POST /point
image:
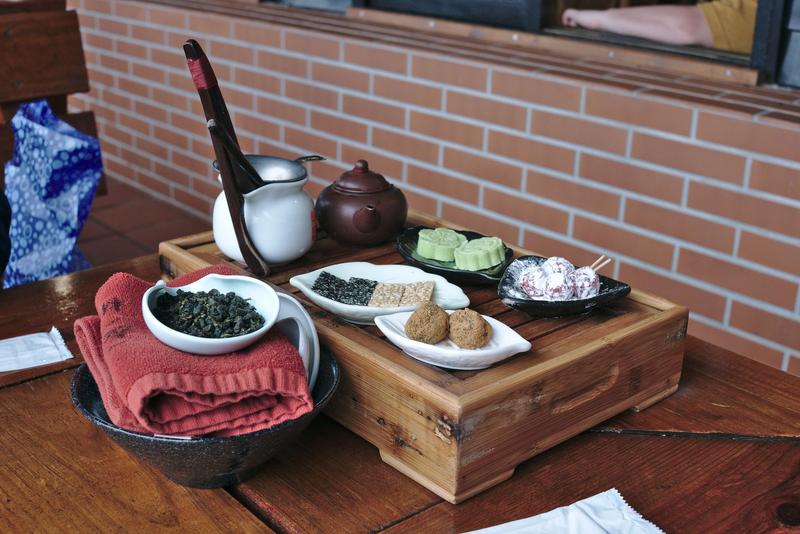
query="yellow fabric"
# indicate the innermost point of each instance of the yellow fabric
(732, 23)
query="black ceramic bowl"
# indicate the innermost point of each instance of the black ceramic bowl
(511, 294)
(407, 247)
(204, 462)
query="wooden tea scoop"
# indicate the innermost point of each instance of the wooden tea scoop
(205, 81)
(235, 199)
(236, 155)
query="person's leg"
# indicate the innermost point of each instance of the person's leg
(680, 25)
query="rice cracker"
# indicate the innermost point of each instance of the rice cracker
(417, 293)
(387, 295)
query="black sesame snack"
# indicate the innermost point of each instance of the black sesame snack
(358, 291)
(207, 314)
(329, 285)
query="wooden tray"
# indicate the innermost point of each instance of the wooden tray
(460, 432)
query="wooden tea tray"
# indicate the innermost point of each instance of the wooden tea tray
(460, 432)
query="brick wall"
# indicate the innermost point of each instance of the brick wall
(693, 187)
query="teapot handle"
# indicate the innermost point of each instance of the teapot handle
(312, 157)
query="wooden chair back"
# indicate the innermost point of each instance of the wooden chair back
(41, 56)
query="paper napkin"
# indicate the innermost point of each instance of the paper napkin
(33, 350)
(604, 513)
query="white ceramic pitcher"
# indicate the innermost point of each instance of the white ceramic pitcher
(279, 215)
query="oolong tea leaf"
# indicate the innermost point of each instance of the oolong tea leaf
(208, 313)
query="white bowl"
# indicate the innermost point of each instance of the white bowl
(445, 294)
(281, 309)
(504, 343)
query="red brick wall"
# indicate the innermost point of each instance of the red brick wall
(694, 188)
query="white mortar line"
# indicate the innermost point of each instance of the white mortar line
(685, 192)
(726, 315)
(741, 333)
(748, 167)
(797, 304)
(629, 144)
(582, 103)
(676, 253)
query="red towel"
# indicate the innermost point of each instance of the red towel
(149, 387)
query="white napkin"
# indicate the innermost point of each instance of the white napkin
(33, 350)
(604, 513)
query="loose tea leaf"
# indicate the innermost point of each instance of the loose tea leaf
(208, 314)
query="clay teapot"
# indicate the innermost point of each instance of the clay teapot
(361, 208)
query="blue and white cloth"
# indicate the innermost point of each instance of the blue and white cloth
(50, 184)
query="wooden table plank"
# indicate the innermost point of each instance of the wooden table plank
(722, 393)
(58, 473)
(58, 302)
(681, 484)
(332, 481)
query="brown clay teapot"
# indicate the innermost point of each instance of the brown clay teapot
(361, 208)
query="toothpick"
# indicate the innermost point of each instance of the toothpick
(609, 260)
(597, 261)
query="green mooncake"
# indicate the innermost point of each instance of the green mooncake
(439, 244)
(479, 254)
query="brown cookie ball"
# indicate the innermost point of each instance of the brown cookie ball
(428, 324)
(469, 330)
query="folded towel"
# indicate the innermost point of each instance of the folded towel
(149, 387)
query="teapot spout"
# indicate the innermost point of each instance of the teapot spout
(367, 219)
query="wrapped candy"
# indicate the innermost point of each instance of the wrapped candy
(533, 281)
(585, 282)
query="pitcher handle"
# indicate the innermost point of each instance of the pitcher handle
(312, 157)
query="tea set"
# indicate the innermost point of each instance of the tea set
(263, 218)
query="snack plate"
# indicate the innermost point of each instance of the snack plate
(505, 342)
(445, 294)
(407, 247)
(512, 295)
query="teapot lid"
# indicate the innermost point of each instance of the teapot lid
(362, 180)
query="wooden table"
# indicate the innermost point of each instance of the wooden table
(720, 455)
